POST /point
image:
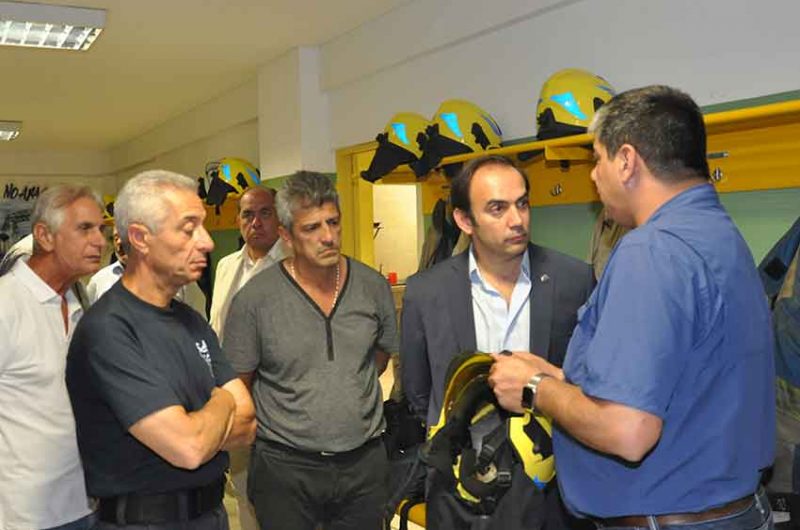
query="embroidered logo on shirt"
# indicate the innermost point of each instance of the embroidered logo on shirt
(202, 349)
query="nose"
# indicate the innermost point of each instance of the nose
(204, 242)
(327, 234)
(592, 174)
(514, 216)
(99, 238)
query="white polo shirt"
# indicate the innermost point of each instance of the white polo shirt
(103, 280)
(41, 479)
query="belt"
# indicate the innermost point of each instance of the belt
(717, 512)
(325, 454)
(173, 506)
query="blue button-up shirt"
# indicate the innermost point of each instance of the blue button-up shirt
(498, 325)
(678, 327)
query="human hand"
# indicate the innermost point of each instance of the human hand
(510, 373)
(224, 397)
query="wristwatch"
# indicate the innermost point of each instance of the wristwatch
(529, 391)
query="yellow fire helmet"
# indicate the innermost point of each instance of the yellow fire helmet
(401, 142)
(478, 443)
(459, 127)
(108, 209)
(567, 102)
(229, 175)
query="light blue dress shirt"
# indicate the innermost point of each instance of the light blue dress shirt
(500, 326)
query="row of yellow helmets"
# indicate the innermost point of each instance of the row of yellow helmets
(228, 176)
(567, 102)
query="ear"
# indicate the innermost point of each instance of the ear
(285, 235)
(44, 238)
(463, 221)
(627, 160)
(137, 237)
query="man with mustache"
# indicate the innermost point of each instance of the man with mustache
(156, 403)
(310, 338)
(504, 293)
(258, 226)
(41, 480)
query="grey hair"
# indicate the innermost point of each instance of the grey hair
(304, 189)
(142, 200)
(53, 202)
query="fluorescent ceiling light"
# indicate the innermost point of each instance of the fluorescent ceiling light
(49, 26)
(9, 130)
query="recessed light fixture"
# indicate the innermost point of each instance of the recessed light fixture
(49, 26)
(9, 130)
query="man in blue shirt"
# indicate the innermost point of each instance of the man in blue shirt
(665, 409)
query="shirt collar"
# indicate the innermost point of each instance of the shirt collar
(701, 194)
(475, 273)
(248, 261)
(38, 288)
(275, 254)
(42, 292)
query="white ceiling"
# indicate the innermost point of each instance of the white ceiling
(157, 59)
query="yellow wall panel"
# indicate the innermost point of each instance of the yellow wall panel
(754, 148)
(225, 219)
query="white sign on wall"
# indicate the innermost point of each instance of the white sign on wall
(16, 206)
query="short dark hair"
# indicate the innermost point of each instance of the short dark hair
(663, 124)
(459, 187)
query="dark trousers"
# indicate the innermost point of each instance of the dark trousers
(300, 490)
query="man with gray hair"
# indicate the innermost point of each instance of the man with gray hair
(155, 401)
(310, 337)
(41, 480)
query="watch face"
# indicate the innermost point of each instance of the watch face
(527, 398)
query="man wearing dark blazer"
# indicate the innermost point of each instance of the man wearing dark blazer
(504, 293)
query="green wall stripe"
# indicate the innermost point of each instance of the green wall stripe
(752, 102)
(762, 217)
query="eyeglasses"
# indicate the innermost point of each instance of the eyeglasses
(248, 216)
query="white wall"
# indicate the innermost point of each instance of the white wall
(224, 126)
(239, 141)
(224, 112)
(278, 103)
(498, 54)
(45, 168)
(294, 129)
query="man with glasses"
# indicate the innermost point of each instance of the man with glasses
(258, 225)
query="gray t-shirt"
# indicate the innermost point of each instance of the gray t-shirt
(315, 384)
